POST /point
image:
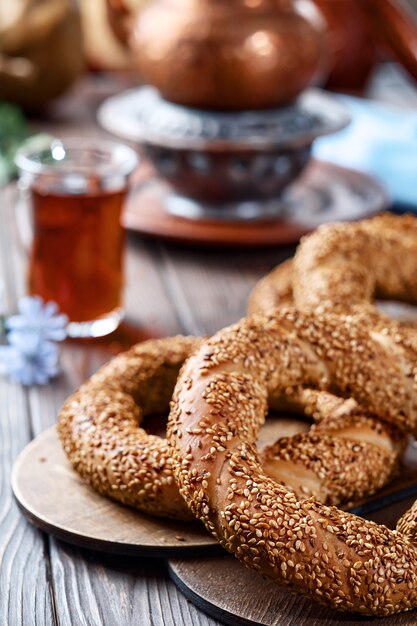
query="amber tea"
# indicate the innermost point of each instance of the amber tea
(76, 256)
(76, 193)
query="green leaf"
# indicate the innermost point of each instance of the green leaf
(13, 131)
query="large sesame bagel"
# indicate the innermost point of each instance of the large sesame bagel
(219, 404)
(346, 265)
(345, 456)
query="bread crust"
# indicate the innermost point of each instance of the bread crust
(99, 427)
(345, 265)
(220, 402)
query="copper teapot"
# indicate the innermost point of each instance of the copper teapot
(238, 54)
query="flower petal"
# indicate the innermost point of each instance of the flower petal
(39, 318)
(32, 356)
(50, 309)
(30, 306)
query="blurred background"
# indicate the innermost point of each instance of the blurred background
(45, 45)
(60, 50)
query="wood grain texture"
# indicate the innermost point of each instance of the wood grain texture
(55, 499)
(58, 590)
(99, 590)
(235, 595)
(230, 592)
(208, 288)
(23, 567)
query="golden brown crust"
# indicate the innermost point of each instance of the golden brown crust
(347, 454)
(348, 264)
(273, 290)
(219, 404)
(342, 459)
(99, 427)
(100, 433)
(344, 265)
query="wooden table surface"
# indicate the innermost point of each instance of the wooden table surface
(169, 290)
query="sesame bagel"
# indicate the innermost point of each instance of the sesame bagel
(346, 265)
(219, 404)
(273, 290)
(99, 427)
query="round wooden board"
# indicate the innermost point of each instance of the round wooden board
(55, 499)
(324, 192)
(225, 589)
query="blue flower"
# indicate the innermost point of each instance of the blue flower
(31, 356)
(39, 318)
(29, 360)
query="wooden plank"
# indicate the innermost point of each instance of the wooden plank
(109, 592)
(210, 288)
(81, 598)
(147, 302)
(149, 313)
(230, 592)
(98, 590)
(26, 596)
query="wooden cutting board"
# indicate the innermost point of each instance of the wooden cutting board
(55, 499)
(228, 591)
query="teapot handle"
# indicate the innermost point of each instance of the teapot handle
(395, 28)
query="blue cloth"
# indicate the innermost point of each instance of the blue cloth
(381, 140)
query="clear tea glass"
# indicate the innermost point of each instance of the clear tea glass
(75, 189)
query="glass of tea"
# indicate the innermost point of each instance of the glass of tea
(75, 189)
